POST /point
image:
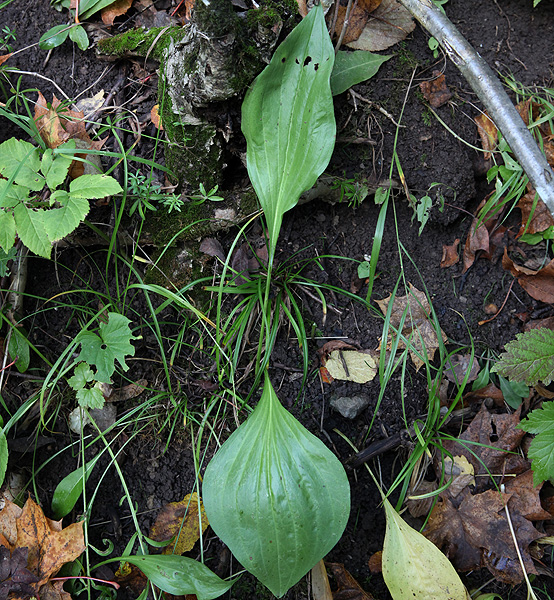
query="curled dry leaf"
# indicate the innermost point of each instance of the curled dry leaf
(212, 247)
(450, 254)
(459, 472)
(4, 58)
(538, 284)
(178, 523)
(477, 240)
(347, 586)
(420, 331)
(116, 9)
(436, 91)
(488, 133)
(387, 25)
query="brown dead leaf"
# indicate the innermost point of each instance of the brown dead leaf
(332, 345)
(178, 522)
(387, 25)
(4, 58)
(538, 284)
(417, 328)
(541, 218)
(489, 444)
(475, 533)
(488, 134)
(450, 255)
(131, 390)
(436, 91)
(547, 323)
(459, 471)
(48, 545)
(357, 19)
(212, 247)
(489, 391)
(321, 590)
(525, 497)
(375, 562)
(155, 117)
(347, 587)
(116, 9)
(477, 240)
(458, 367)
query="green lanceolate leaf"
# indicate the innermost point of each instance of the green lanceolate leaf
(541, 450)
(354, 67)
(70, 488)
(413, 567)
(54, 37)
(3, 456)
(529, 358)
(288, 120)
(179, 575)
(276, 495)
(19, 349)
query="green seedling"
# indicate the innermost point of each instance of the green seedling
(33, 202)
(6, 35)
(354, 192)
(434, 46)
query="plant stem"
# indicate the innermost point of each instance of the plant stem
(491, 93)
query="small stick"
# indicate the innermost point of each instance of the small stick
(503, 304)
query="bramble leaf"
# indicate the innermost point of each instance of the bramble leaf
(59, 222)
(30, 228)
(541, 450)
(288, 120)
(55, 168)
(21, 160)
(276, 495)
(94, 186)
(529, 358)
(7, 230)
(114, 343)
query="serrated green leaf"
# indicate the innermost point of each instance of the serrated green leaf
(55, 168)
(79, 36)
(529, 358)
(59, 222)
(70, 489)
(351, 68)
(413, 567)
(114, 343)
(19, 349)
(7, 230)
(11, 194)
(21, 161)
(179, 575)
(288, 120)
(54, 37)
(90, 398)
(81, 376)
(276, 495)
(4, 455)
(94, 186)
(541, 450)
(30, 228)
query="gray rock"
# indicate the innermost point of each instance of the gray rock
(350, 406)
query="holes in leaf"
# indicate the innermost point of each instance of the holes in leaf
(103, 347)
(297, 61)
(283, 59)
(316, 66)
(307, 61)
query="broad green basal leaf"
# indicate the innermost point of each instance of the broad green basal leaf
(288, 119)
(354, 67)
(413, 567)
(276, 495)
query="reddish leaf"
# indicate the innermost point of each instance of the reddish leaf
(450, 254)
(347, 587)
(357, 20)
(477, 239)
(436, 91)
(118, 8)
(487, 132)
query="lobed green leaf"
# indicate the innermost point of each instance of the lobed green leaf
(276, 495)
(288, 120)
(59, 222)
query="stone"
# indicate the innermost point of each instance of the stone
(350, 406)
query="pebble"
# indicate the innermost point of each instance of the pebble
(350, 406)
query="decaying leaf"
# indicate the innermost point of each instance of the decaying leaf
(436, 91)
(4, 58)
(155, 117)
(413, 567)
(450, 254)
(352, 365)
(357, 19)
(46, 544)
(535, 217)
(387, 25)
(321, 590)
(458, 368)
(538, 284)
(474, 532)
(347, 586)
(477, 240)
(179, 524)
(116, 9)
(488, 133)
(418, 329)
(460, 472)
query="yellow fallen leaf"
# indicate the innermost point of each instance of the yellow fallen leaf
(351, 365)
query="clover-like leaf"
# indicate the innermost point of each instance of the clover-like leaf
(276, 495)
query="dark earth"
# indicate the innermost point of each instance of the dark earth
(153, 445)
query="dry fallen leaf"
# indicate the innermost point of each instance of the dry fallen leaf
(357, 19)
(460, 472)
(352, 365)
(450, 254)
(417, 328)
(178, 523)
(4, 58)
(347, 587)
(116, 9)
(155, 117)
(321, 590)
(458, 367)
(538, 284)
(48, 545)
(541, 218)
(388, 24)
(477, 240)
(488, 134)
(436, 91)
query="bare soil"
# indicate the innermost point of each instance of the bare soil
(515, 39)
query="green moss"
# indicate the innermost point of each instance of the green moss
(142, 42)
